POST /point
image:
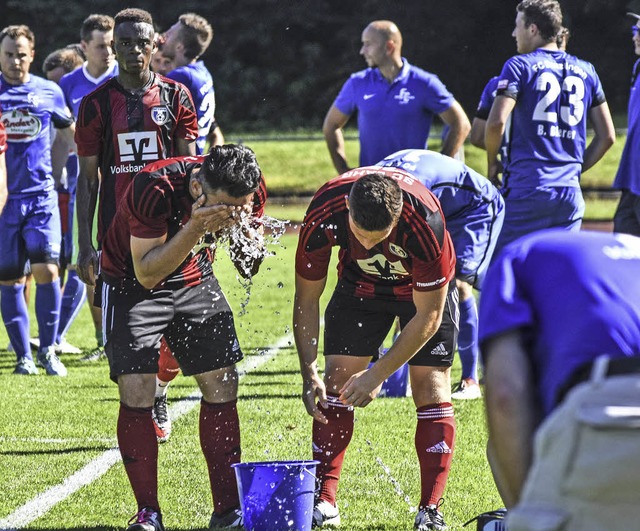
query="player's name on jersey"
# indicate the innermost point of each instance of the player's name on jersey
(556, 132)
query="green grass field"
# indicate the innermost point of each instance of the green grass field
(51, 428)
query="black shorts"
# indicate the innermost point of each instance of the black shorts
(196, 322)
(357, 327)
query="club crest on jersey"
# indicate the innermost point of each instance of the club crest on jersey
(160, 115)
(21, 126)
(404, 96)
(397, 250)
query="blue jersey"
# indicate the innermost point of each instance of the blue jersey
(554, 92)
(199, 82)
(628, 176)
(473, 208)
(77, 84)
(393, 116)
(576, 295)
(29, 111)
(487, 98)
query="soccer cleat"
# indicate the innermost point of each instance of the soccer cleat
(325, 515)
(161, 418)
(232, 519)
(95, 355)
(64, 347)
(494, 520)
(429, 518)
(48, 360)
(468, 389)
(25, 366)
(147, 519)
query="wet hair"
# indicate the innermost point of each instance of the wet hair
(195, 34)
(16, 31)
(68, 58)
(231, 168)
(133, 14)
(545, 14)
(95, 22)
(375, 202)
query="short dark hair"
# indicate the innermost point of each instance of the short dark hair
(195, 34)
(133, 14)
(562, 39)
(95, 22)
(375, 202)
(545, 14)
(232, 168)
(16, 31)
(68, 58)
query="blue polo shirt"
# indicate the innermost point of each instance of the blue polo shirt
(77, 84)
(628, 176)
(576, 294)
(554, 92)
(393, 116)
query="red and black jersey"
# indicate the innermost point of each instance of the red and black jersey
(158, 202)
(3, 137)
(417, 255)
(128, 129)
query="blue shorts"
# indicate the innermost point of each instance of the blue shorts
(474, 233)
(530, 210)
(354, 326)
(29, 231)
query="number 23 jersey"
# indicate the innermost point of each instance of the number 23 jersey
(554, 92)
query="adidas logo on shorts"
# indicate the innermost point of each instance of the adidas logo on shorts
(439, 350)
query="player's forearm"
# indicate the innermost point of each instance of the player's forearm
(596, 149)
(306, 330)
(158, 263)
(454, 139)
(335, 145)
(86, 200)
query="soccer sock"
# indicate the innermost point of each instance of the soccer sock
(435, 439)
(330, 443)
(139, 450)
(220, 443)
(99, 338)
(48, 297)
(73, 295)
(468, 338)
(15, 316)
(168, 368)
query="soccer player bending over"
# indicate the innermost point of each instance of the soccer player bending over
(396, 260)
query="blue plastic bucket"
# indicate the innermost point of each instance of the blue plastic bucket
(277, 495)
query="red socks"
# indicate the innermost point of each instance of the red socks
(139, 450)
(168, 367)
(330, 443)
(435, 438)
(220, 442)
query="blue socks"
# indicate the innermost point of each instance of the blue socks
(468, 338)
(73, 295)
(15, 316)
(48, 298)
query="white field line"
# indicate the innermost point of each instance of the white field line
(43, 502)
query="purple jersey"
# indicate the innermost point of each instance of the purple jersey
(199, 82)
(29, 111)
(575, 295)
(77, 84)
(487, 98)
(628, 176)
(393, 116)
(554, 92)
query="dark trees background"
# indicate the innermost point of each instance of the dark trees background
(278, 64)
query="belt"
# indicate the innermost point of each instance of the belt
(614, 367)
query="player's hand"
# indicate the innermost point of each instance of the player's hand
(87, 265)
(493, 174)
(360, 389)
(314, 392)
(211, 218)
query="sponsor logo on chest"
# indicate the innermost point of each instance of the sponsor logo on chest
(21, 125)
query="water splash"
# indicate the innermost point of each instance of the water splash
(247, 243)
(396, 484)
